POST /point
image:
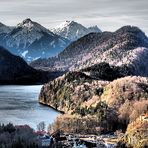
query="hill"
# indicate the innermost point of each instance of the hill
(110, 105)
(14, 70)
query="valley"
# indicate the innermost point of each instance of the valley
(97, 80)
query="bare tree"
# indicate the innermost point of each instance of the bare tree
(41, 126)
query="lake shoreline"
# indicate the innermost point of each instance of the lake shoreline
(52, 108)
(19, 105)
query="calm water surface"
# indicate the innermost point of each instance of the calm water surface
(19, 105)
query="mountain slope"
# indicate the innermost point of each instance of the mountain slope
(14, 70)
(13, 67)
(127, 46)
(100, 86)
(73, 30)
(75, 89)
(30, 40)
(4, 29)
(108, 105)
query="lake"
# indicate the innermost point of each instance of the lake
(19, 105)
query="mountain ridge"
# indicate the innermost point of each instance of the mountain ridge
(73, 30)
(126, 46)
(31, 40)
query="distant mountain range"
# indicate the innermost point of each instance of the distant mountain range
(72, 30)
(31, 40)
(127, 46)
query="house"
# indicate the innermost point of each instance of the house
(45, 140)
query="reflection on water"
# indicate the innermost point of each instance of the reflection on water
(19, 105)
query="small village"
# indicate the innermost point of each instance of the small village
(60, 140)
(78, 141)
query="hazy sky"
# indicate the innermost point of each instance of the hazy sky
(107, 14)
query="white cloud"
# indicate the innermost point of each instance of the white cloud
(108, 14)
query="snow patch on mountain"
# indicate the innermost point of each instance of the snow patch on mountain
(26, 33)
(128, 46)
(24, 53)
(32, 37)
(73, 30)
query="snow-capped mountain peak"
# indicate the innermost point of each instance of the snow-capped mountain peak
(31, 40)
(26, 23)
(28, 20)
(30, 25)
(26, 32)
(64, 24)
(73, 30)
(67, 25)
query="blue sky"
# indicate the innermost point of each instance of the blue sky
(107, 14)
